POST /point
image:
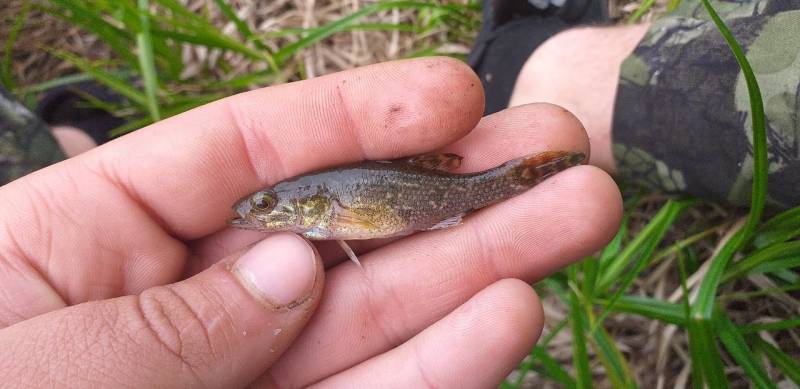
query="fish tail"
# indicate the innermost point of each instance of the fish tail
(533, 169)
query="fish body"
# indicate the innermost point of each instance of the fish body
(380, 199)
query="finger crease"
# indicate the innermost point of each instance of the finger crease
(261, 145)
(391, 336)
(419, 362)
(128, 190)
(175, 349)
(350, 122)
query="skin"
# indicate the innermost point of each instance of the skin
(135, 216)
(578, 69)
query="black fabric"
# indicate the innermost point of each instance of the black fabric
(67, 106)
(511, 31)
(499, 59)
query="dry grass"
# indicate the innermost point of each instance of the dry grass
(343, 51)
(658, 353)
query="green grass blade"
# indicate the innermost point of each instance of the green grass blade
(788, 218)
(705, 301)
(580, 356)
(557, 285)
(643, 8)
(687, 242)
(735, 345)
(181, 105)
(146, 60)
(89, 18)
(780, 228)
(243, 28)
(111, 80)
(65, 80)
(331, 28)
(612, 359)
(771, 253)
(707, 364)
(208, 39)
(642, 246)
(784, 362)
(672, 5)
(590, 266)
(614, 247)
(771, 237)
(552, 368)
(785, 324)
(648, 307)
(247, 33)
(645, 244)
(748, 296)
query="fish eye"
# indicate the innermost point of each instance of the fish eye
(263, 201)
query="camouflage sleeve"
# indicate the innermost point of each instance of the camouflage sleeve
(26, 143)
(681, 119)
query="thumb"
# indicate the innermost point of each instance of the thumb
(220, 328)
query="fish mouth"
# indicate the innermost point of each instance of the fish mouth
(243, 209)
(240, 222)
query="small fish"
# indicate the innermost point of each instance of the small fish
(381, 199)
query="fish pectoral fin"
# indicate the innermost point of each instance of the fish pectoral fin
(345, 216)
(449, 222)
(437, 161)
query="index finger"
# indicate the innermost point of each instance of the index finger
(188, 170)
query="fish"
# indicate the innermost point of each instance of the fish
(384, 199)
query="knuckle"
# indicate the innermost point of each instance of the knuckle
(182, 328)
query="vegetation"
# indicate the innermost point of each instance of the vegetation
(706, 292)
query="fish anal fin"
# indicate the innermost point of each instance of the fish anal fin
(449, 222)
(437, 161)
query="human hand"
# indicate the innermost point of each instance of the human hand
(117, 268)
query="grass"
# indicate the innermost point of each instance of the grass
(684, 288)
(153, 80)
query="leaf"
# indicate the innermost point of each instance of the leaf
(643, 245)
(708, 288)
(648, 307)
(613, 360)
(785, 363)
(785, 324)
(146, 60)
(580, 357)
(737, 348)
(788, 252)
(112, 80)
(706, 362)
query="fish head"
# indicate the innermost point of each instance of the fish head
(315, 215)
(265, 210)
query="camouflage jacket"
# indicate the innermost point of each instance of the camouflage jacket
(681, 120)
(26, 143)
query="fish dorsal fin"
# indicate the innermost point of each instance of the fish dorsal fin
(437, 161)
(449, 222)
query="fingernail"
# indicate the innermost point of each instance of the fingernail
(280, 270)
